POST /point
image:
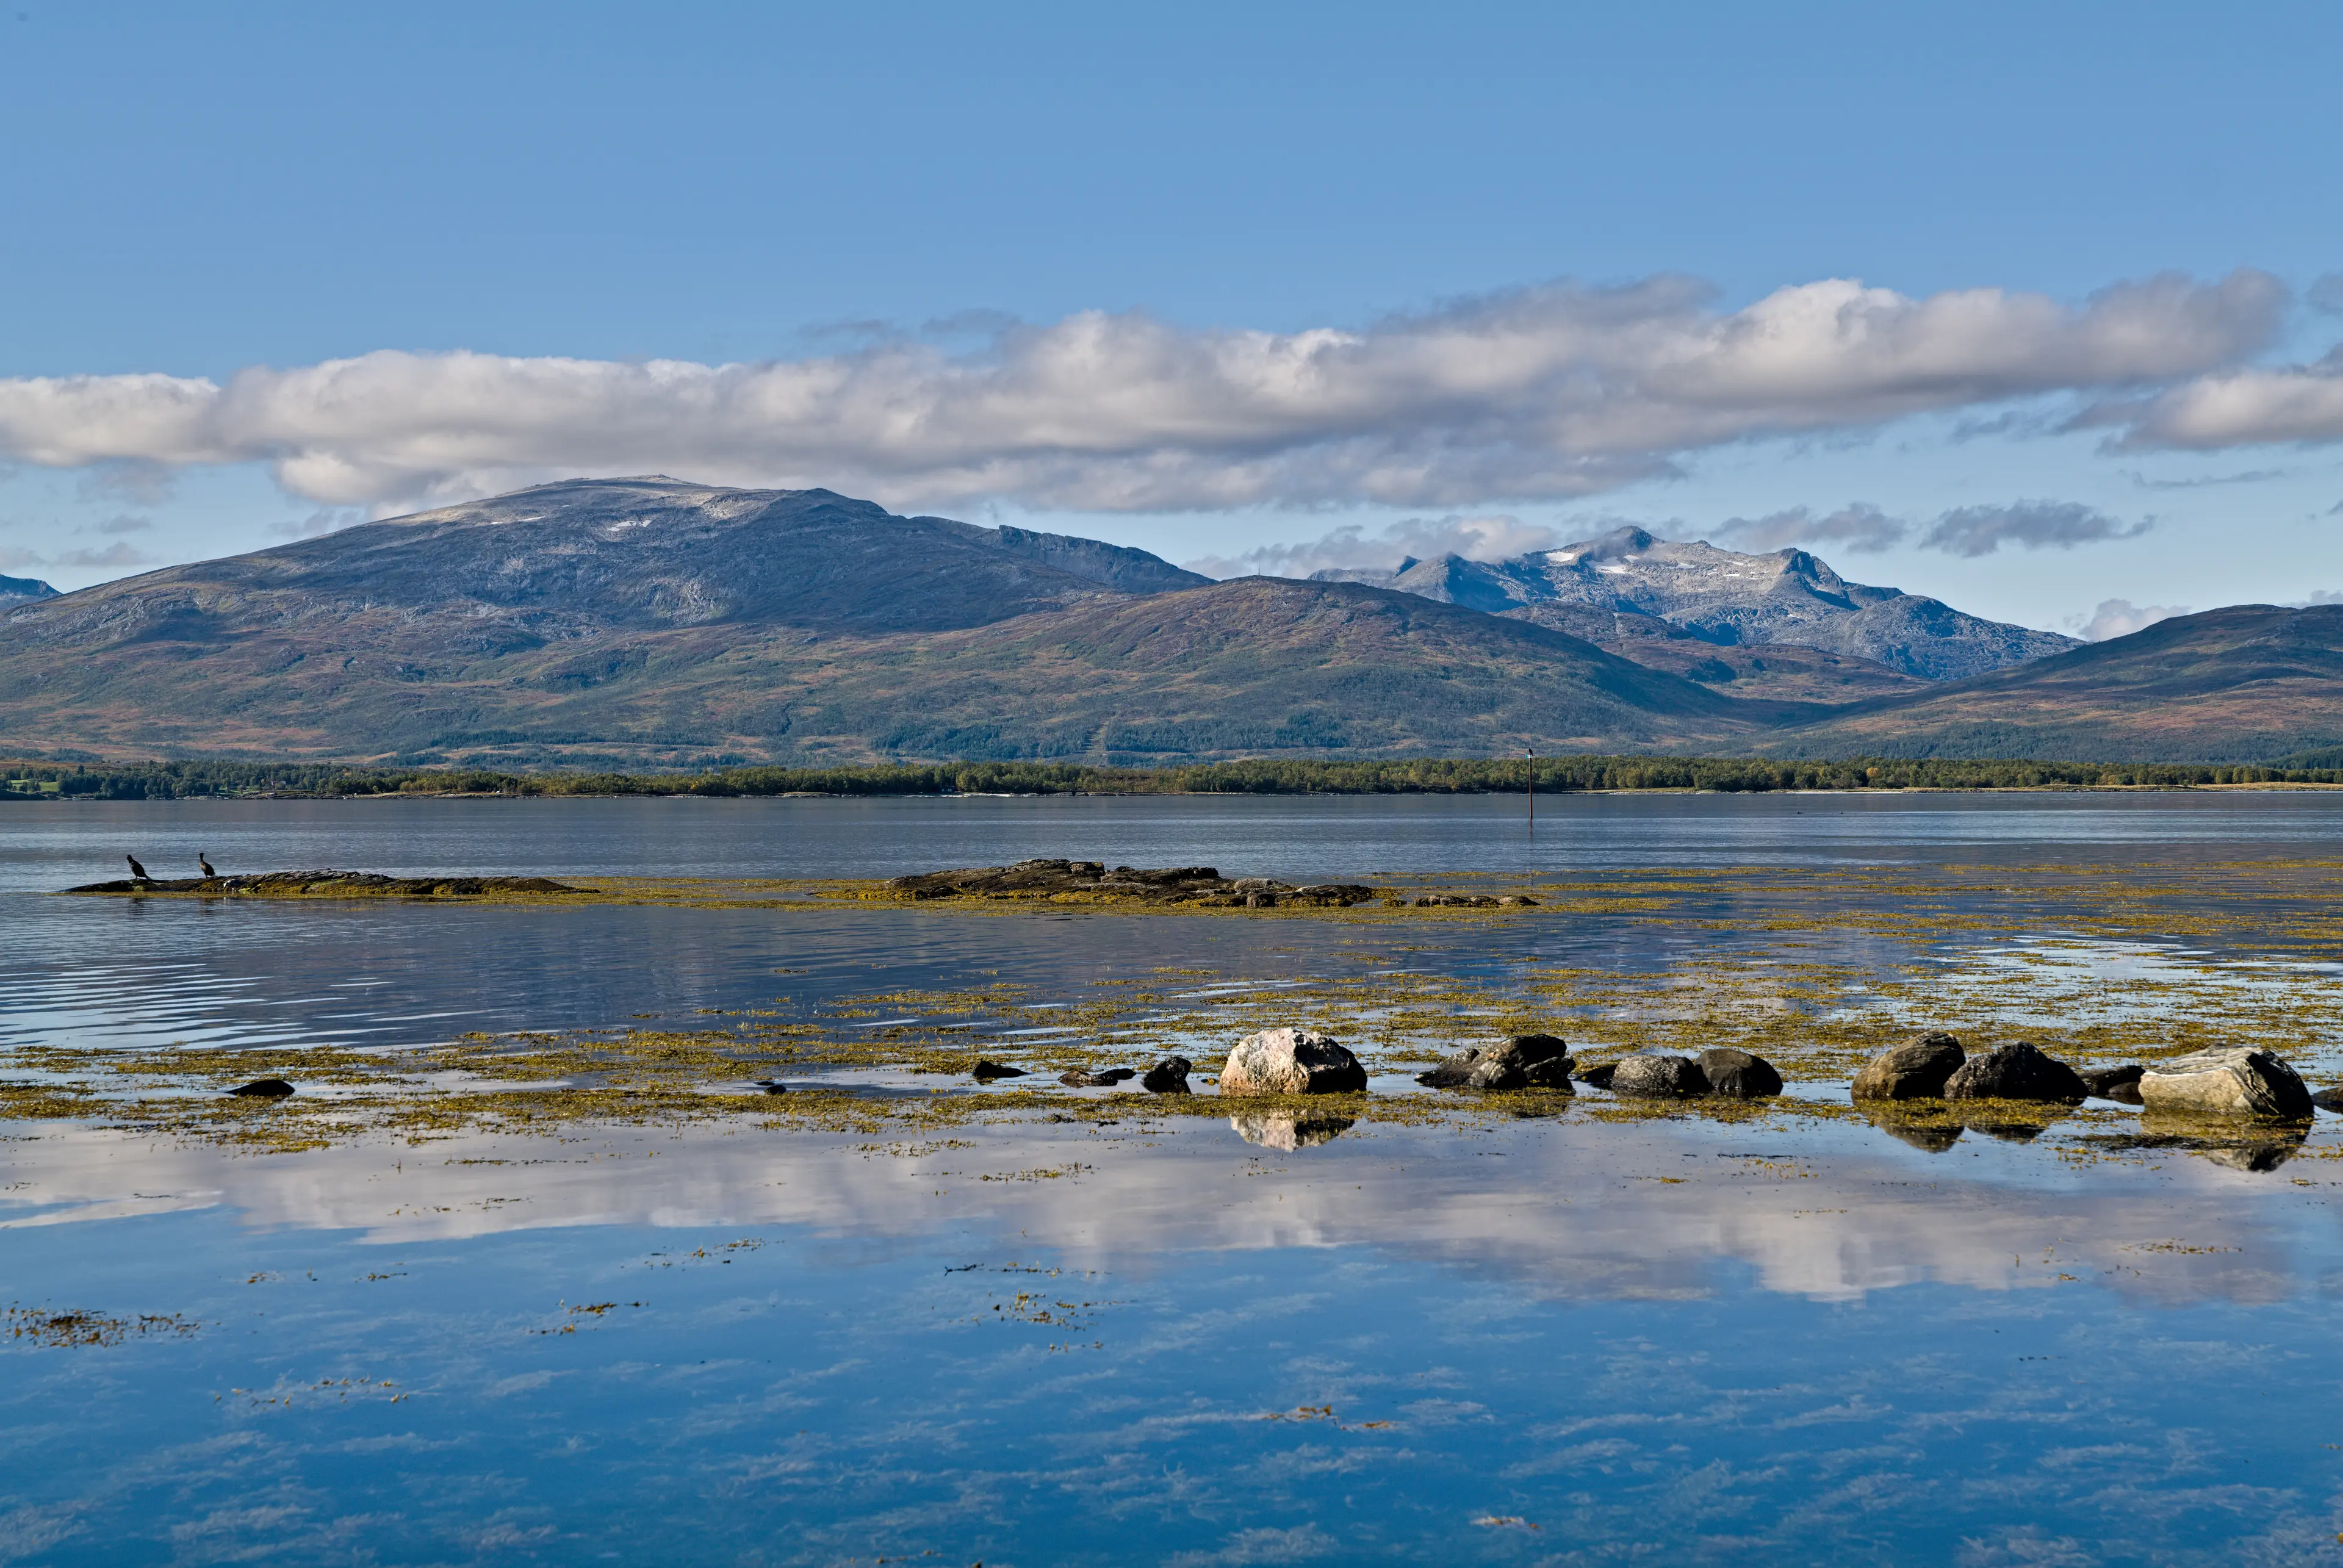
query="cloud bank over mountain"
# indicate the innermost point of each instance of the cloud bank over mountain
(1543, 393)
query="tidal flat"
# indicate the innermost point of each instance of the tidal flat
(532, 1267)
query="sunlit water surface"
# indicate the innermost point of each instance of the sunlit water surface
(1144, 1341)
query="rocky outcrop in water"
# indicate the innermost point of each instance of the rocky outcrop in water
(332, 885)
(1168, 1076)
(1916, 1070)
(1659, 1077)
(1106, 1079)
(1524, 1061)
(987, 1072)
(1291, 1061)
(263, 1089)
(1091, 882)
(2016, 1072)
(2234, 1083)
(1735, 1074)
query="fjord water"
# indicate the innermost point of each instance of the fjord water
(1123, 1340)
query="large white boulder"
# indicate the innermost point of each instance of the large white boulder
(2234, 1083)
(1291, 1061)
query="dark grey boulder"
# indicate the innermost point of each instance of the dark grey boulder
(2328, 1100)
(986, 1071)
(772, 1086)
(2016, 1072)
(1659, 1077)
(1524, 1061)
(2117, 1083)
(263, 1089)
(1739, 1074)
(1599, 1076)
(1916, 1070)
(1168, 1076)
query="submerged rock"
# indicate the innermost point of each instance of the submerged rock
(772, 1086)
(2234, 1083)
(2016, 1072)
(1916, 1070)
(263, 1089)
(1168, 1076)
(2328, 1100)
(1739, 1074)
(986, 1071)
(1291, 1061)
(1599, 1076)
(1659, 1077)
(1107, 1078)
(1524, 1061)
(1291, 1132)
(2117, 1083)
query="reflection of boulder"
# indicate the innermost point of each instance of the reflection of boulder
(2001, 1124)
(2016, 1072)
(1739, 1074)
(1291, 1061)
(2234, 1083)
(1291, 1132)
(1932, 1133)
(2222, 1141)
(1916, 1070)
(1524, 1061)
(1659, 1077)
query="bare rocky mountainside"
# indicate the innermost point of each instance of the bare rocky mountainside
(1728, 598)
(650, 623)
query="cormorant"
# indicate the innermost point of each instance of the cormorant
(137, 871)
(206, 865)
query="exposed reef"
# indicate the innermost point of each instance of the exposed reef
(327, 884)
(1090, 882)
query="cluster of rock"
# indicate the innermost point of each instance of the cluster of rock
(1168, 1076)
(1473, 901)
(1524, 1061)
(331, 884)
(1724, 1072)
(2238, 1082)
(1091, 882)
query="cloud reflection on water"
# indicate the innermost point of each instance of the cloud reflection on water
(1566, 1209)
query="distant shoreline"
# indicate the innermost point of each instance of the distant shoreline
(31, 782)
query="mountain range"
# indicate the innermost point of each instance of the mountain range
(652, 622)
(1724, 598)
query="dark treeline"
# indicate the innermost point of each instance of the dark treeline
(195, 780)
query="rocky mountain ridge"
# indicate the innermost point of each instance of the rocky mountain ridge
(1728, 598)
(17, 591)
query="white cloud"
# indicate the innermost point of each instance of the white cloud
(1476, 538)
(2302, 403)
(2121, 617)
(1537, 393)
(1859, 527)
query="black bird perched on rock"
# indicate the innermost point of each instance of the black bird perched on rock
(205, 864)
(137, 871)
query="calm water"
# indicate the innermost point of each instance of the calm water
(1520, 1342)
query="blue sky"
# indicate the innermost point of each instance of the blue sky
(1215, 280)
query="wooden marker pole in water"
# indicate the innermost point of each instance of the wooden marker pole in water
(1531, 758)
